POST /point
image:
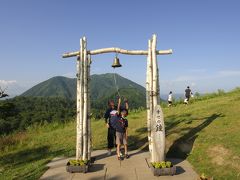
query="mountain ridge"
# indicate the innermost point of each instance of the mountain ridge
(102, 88)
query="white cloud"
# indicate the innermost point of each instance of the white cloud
(193, 84)
(228, 73)
(5, 82)
(11, 87)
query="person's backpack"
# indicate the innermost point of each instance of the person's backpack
(113, 120)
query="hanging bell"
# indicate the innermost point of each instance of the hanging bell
(116, 63)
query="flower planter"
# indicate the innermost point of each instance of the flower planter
(77, 169)
(164, 171)
(78, 166)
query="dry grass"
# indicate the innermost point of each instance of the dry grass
(11, 140)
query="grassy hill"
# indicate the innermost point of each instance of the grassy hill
(206, 132)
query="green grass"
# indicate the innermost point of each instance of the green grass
(206, 132)
(24, 155)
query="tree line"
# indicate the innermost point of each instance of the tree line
(20, 112)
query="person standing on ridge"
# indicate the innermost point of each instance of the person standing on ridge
(188, 93)
(170, 99)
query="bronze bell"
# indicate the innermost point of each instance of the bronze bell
(116, 63)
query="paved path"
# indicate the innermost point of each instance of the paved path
(109, 168)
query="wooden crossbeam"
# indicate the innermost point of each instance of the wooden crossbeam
(117, 50)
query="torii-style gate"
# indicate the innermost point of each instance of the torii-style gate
(155, 121)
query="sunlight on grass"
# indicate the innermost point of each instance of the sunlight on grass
(200, 132)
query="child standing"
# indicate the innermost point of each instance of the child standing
(122, 133)
(121, 126)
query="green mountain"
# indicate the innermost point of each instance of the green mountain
(102, 89)
(54, 87)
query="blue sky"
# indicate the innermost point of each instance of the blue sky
(204, 35)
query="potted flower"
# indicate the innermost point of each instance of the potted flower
(78, 166)
(163, 168)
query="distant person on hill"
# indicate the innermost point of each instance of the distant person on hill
(170, 99)
(188, 93)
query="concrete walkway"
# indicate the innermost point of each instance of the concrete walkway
(109, 168)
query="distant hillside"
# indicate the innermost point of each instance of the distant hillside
(54, 87)
(102, 88)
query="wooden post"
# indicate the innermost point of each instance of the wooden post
(154, 97)
(79, 143)
(85, 97)
(82, 98)
(158, 86)
(149, 94)
(161, 134)
(89, 116)
(154, 70)
(158, 135)
(157, 123)
(78, 148)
